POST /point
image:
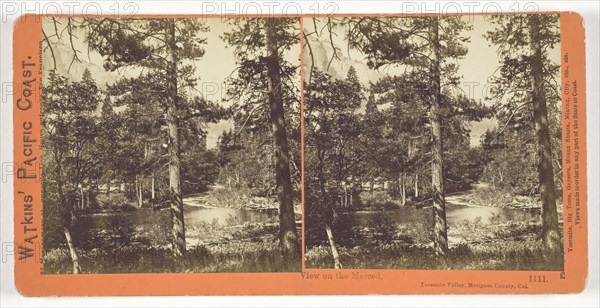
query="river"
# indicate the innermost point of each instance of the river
(457, 211)
(196, 212)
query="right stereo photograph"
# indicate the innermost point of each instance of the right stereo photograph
(433, 142)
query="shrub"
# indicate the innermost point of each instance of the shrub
(501, 255)
(502, 197)
(462, 250)
(157, 234)
(377, 200)
(232, 220)
(162, 200)
(490, 196)
(314, 232)
(116, 203)
(256, 232)
(384, 228)
(84, 232)
(120, 232)
(346, 230)
(474, 230)
(517, 230)
(227, 197)
(420, 229)
(57, 261)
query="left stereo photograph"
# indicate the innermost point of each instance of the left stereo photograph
(171, 145)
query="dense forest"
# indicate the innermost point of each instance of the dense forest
(130, 183)
(392, 177)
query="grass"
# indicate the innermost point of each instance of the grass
(502, 197)
(474, 245)
(231, 257)
(377, 200)
(229, 247)
(115, 242)
(497, 256)
(117, 202)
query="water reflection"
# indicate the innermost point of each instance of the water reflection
(197, 215)
(194, 216)
(455, 214)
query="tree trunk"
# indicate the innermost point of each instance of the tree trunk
(153, 187)
(416, 184)
(141, 197)
(402, 188)
(334, 252)
(178, 231)
(81, 204)
(138, 190)
(550, 232)
(74, 258)
(288, 238)
(328, 216)
(108, 188)
(437, 174)
(67, 214)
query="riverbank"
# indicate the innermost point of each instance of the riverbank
(473, 245)
(226, 198)
(494, 256)
(480, 238)
(487, 195)
(223, 197)
(479, 195)
(232, 246)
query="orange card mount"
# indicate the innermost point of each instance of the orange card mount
(282, 155)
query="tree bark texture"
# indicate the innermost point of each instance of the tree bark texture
(178, 226)
(437, 173)
(550, 232)
(288, 237)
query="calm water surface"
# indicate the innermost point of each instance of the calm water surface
(455, 214)
(194, 215)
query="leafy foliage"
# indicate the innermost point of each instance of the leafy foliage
(512, 150)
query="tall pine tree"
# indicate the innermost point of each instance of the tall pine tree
(266, 82)
(527, 82)
(165, 48)
(424, 46)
